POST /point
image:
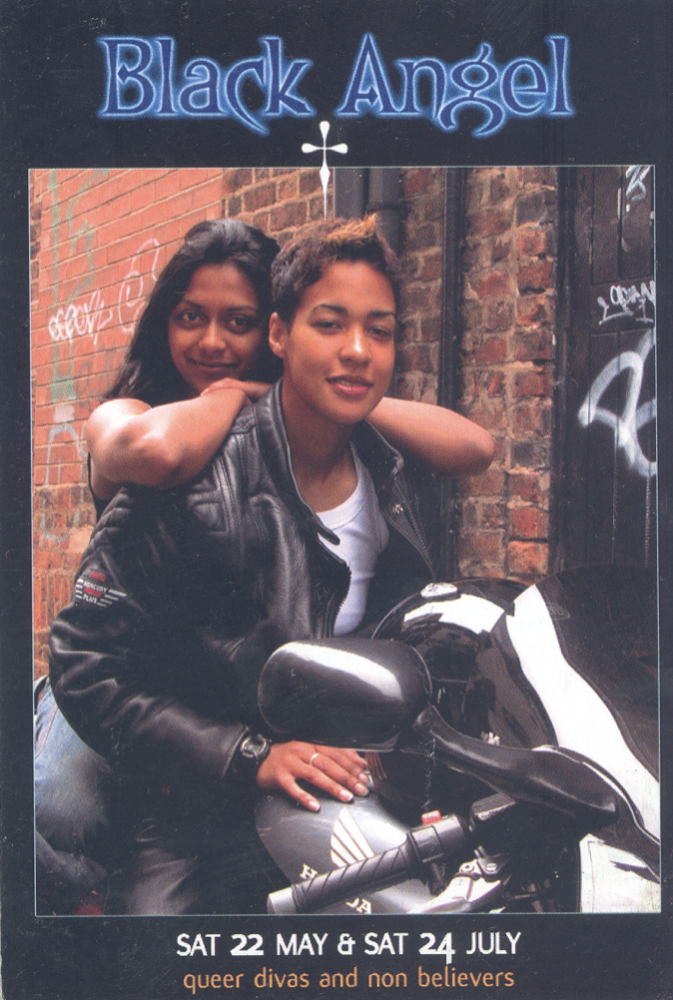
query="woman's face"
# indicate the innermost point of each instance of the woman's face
(216, 330)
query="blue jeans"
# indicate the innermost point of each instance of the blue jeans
(73, 807)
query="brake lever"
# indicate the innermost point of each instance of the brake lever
(476, 884)
(545, 776)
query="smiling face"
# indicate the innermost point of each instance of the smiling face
(216, 330)
(339, 352)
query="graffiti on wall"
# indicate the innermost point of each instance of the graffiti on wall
(84, 311)
(631, 302)
(635, 415)
(91, 316)
(636, 189)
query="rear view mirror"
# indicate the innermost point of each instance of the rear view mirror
(358, 693)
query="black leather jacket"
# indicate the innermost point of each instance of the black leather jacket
(182, 594)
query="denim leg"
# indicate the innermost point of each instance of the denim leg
(72, 785)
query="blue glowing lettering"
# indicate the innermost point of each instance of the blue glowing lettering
(368, 88)
(142, 80)
(200, 97)
(283, 78)
(523, 88)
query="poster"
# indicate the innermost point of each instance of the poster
(405, 87)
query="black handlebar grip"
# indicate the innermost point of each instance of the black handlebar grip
(421, 846)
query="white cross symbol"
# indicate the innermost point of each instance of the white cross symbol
(340, 147)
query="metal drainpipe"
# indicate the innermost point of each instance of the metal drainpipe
(448, 382)
(384, 199)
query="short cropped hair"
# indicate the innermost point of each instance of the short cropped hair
(303, 261)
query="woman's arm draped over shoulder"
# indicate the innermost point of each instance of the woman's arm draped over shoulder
(162, 446)
(449, 444)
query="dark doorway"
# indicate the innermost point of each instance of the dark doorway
(606, 404)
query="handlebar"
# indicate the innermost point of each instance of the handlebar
(421, 847)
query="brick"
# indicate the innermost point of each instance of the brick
(316, 209)
(500, 188)
(480, 549)
(529, 487)
(433, 210)
(527, 560)
(536, 206)
(417, 357)
(418, 298)
(540, 175)
(491, 351)
(431, 327)
(484, 516)
(494, 383)
(431, 266)
(495, 283)
(493, 222)
(533, 454)
(293, 214)
(415, 181)
(476, 191)
(533, 346)
(232, 206)
(532, 418)
(423, 237)
(287, 188)
(498, 315)
(533, 383)
(236, 180)
(263, 221)
(259, 197)
(490, 483)
(309, 181)
(472, 311)
(408, 385)
(500, 251)
(532, 309)
(528, 523)
(536, 276)
(532, 241)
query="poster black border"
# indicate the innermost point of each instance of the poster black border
(51, 84)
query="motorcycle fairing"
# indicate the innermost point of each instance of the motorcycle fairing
(304, 843)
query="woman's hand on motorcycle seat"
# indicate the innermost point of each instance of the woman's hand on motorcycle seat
(341, 773)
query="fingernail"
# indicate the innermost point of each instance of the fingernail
(313, 805)
(363, 778)
(345, 795)
(362, 789)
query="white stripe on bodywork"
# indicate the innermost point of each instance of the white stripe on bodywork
(581, 720)
(615, 881)
(474, 613)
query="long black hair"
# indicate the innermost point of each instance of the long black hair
(148, 372)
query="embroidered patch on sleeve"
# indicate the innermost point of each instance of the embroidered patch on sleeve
(91, 588)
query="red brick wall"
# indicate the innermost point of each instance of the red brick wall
(422, 193)
(509, 307)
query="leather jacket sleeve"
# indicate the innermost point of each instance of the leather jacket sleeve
(137, 666)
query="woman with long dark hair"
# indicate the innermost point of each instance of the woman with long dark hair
(204, 329)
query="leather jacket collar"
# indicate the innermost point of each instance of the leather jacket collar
(382, 460)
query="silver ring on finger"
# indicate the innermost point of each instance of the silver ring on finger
(313, 757)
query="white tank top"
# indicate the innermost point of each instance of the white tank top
(363, 535)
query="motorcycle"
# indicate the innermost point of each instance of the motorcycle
(511, 735)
